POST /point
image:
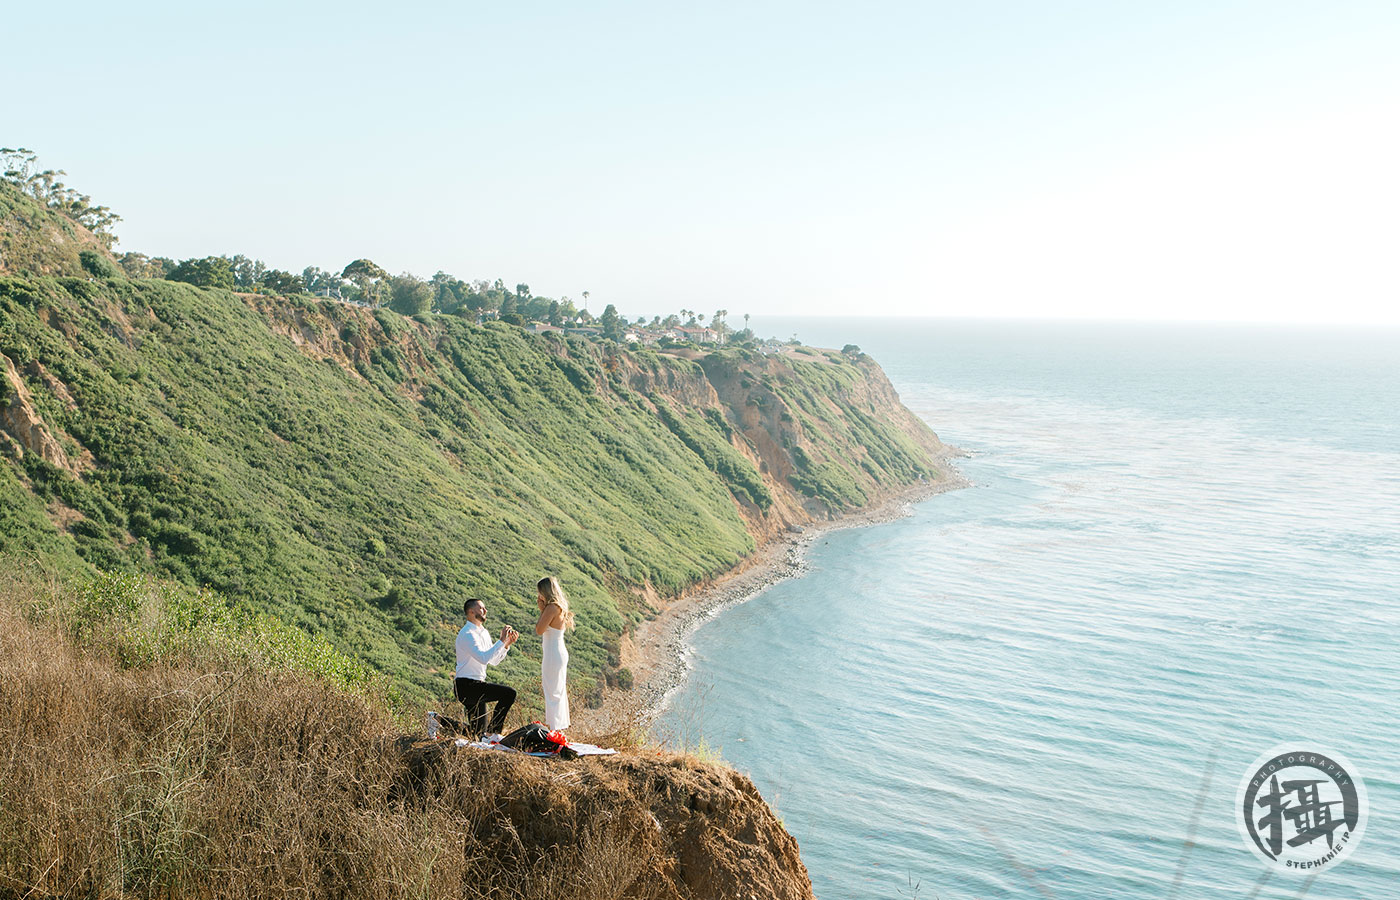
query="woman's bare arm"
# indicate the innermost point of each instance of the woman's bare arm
(549, 616)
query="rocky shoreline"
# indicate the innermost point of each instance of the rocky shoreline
(656, 651)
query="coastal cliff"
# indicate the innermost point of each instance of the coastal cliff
(358, 473)
(261, 508)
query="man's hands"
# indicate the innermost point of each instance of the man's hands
(509, 635)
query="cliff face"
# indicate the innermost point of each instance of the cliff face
(813, 433)
(789, 415)
(358, 473)
(21, 425)
(685, 829)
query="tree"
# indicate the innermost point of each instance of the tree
(851, 350)
(247, 273)
(476, 300)
(322, 283)
(612, 326)
(409, 296)
(535, 308)
(242, 268)
(278, 282)
(446, 297)
(366, 276)
(139, 265)
(443, 296)
(554, 318)
(211, 271)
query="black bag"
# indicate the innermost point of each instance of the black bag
(532, 738)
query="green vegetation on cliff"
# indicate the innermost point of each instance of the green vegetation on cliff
(359, 473)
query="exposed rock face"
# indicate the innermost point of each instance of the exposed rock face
(22, 422)
(58, 388)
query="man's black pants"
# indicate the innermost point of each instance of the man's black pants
(475, 695)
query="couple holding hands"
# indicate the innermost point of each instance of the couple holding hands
(475, 651)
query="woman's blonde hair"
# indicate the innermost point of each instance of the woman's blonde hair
(552, 593)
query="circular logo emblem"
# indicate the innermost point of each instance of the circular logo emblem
(1301, 809)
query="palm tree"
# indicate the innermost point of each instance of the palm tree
(718, 321)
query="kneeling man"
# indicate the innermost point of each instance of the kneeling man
(474, 653)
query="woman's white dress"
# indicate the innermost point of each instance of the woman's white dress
(554, 671)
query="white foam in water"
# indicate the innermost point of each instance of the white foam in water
(1168, 556)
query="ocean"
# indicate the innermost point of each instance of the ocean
(1181, 548)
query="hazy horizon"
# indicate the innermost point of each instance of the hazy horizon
(1086, 161)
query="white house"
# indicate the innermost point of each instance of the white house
(699, 335)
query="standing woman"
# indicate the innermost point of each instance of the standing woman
(555, 618)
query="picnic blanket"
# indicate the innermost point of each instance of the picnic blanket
(437, 723)
(579, 748)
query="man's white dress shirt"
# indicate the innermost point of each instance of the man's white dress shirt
(475, 652)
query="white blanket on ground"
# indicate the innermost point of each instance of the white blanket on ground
(580, 749)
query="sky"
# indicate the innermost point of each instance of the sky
(1124, 160)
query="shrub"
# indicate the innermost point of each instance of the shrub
(142, 622)
(97, 265)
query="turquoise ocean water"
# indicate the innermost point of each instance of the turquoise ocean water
(1182, 544)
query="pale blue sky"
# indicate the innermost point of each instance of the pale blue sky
(1105, 159)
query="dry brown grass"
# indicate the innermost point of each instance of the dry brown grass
(186, 779)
